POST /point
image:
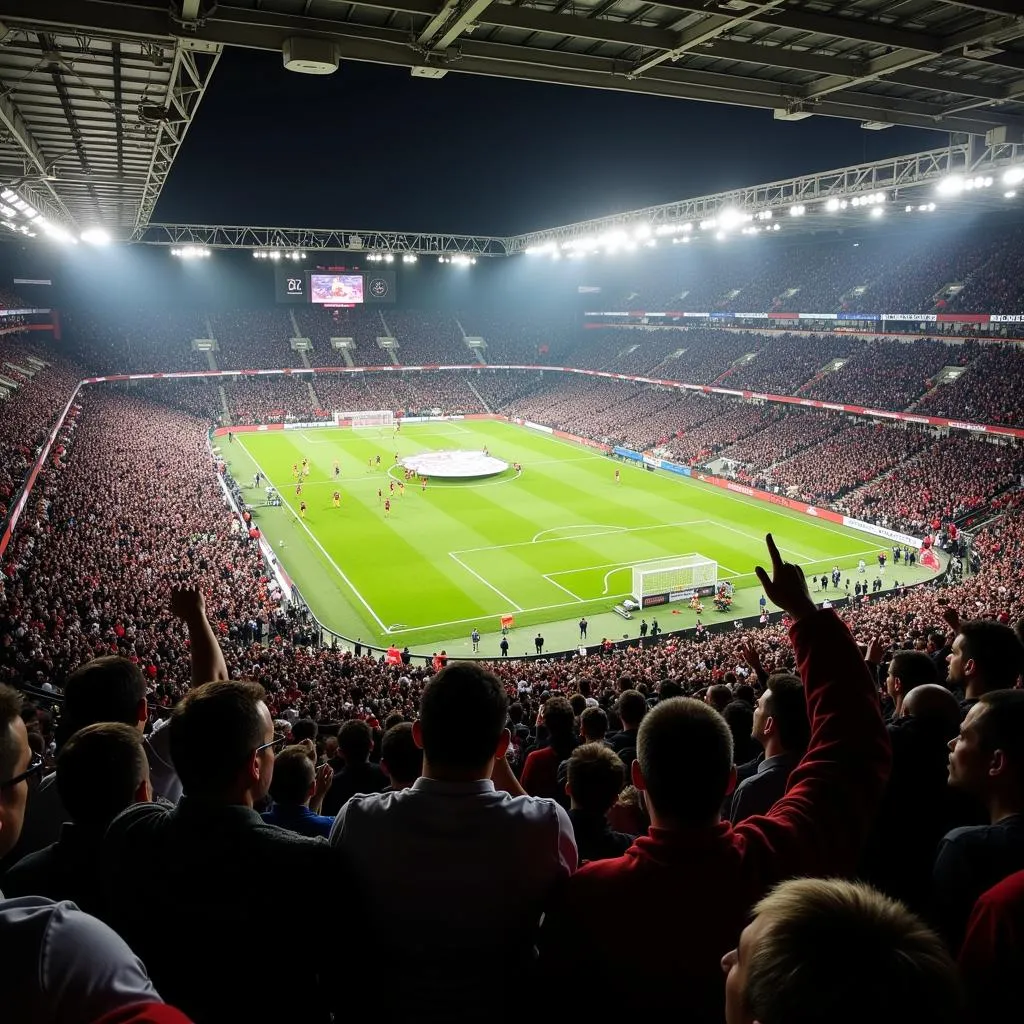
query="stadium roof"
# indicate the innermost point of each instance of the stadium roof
(97, 94)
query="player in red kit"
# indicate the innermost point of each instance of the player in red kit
(387, 509)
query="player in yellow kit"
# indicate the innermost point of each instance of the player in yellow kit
(401, 489)
(337, 499)
(302, 510)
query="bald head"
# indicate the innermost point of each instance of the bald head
(932, 701)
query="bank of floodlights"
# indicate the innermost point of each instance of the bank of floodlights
(191, 252)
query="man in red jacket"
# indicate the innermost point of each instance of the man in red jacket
(654, 923)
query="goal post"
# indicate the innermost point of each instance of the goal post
(674, 579)
(364, 418)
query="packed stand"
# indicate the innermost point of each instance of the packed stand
(135, 341)
(363, 326)
(987, 392)
(541, 338)
(28, 413)
(732, 422)
(704, 354)
(787, 362)
(849, 458)
(997, 285)
(254, 339)
(272, 399)
(788, 431)
(428, 339)
(889, 374)
(954, 477)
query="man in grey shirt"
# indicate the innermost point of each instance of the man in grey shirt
(462, 864)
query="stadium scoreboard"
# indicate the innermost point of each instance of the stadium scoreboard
(345, 289)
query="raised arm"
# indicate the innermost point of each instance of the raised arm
(820, 824)
(208, 665)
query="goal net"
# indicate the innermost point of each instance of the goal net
(363, 418)
(674, 579)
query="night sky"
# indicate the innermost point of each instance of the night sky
(372, 147)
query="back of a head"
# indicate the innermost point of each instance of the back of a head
(595, 777)
(933, 702)
(913, 669)
(213, 733)
(355, 741)
(719, 696)
(560, 720)
(304, 729)
(108, 689)
(787, 706)
(739, 716)
(841, 952)
(744, 692)
(632, 708)
(462, 715)
(997, 653)
(100, 770)
(399, 755)
(294, 774)
(594, 723)
(685, 754)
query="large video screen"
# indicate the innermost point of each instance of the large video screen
(343, 289)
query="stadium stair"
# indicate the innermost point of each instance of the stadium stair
(945, 376)
(476, 351)
(211, 360)
(836, 364)
(347, 356)
(224, 405)
(480, 397)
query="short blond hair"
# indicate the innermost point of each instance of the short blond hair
(842, 952)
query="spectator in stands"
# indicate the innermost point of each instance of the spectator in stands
(298, 789)
(59, 964)
(101, 770)
(919, 806)
(684, 766)
(355, 743)
(487, 861)
(830, 950)
(992, 955)
(781, 728)
(595, 778)
(213, 856)
(908, 670)
(986, 656)
(401, 759)
(718, 696)
(987, 761)
(540, 772)
(631, 707)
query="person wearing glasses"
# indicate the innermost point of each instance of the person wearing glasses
(101, 770)
(205, 927)
(58, 963)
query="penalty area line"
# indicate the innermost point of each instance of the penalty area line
(323, 551)
(490, 586)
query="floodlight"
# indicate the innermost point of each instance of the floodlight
(798, 210)
(1012, 176)
(832, 205)
(950, 186)
(730, 218)
(389, 258)
(877, 212)
(720, 236)
(642, 231)
(1009, 195)
(96, 236)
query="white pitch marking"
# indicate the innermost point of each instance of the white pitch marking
(312, 537)
(473, 572)
(548, 576)
(599, 529)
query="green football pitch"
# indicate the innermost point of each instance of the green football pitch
(547, 547)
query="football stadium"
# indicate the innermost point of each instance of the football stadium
(510, 500)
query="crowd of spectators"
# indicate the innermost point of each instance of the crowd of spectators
(889, 374)
(254, 339)
(953, 477)
(28, 411)
(785, 363)
(788, 430)
(847, 459)
(986, 392)
(139, 340)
